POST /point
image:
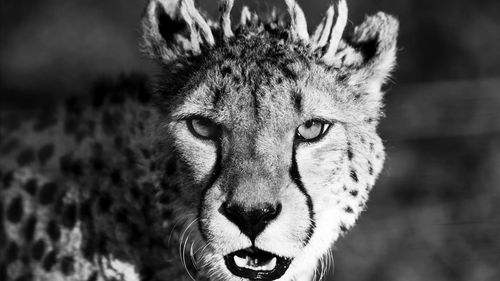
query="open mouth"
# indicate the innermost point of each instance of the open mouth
(256, 264)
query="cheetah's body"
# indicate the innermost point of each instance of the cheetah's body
(78, 188)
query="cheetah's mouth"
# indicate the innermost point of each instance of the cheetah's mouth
(256, 264)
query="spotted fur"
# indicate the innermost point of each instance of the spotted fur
(119, 188)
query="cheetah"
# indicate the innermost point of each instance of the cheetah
(249, 153)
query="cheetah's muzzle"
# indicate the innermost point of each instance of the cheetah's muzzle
(256, 264)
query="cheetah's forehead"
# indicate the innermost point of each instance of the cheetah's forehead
(259, 82)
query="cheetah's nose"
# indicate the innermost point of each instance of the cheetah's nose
(251, 221)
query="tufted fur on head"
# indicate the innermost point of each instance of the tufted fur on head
(257, 81)
(177, 34)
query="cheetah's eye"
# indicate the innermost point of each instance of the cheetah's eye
(203, 128)
(311, 130)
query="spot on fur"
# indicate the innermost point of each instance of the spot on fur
(45, 152)
(69, 216)
(101, 244)
(37, 250)
(53, 231)
(15, 210)
(48, 193)
(354, 175)
(343, 227)
(29, 228)
(25, 157)
(166, 214)
(116, 177)
(50, 260)
(104, 203)
(164, 198)
(349, 153)
(171, 167)
(93, 276)
(31, 187)
(11, 254)
(67, 265)
(85, 210)
(121, 215)
(7, 179)
(297, 101)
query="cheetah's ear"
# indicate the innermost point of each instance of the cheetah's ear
(172, 29)
(370, 53)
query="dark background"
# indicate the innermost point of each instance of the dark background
(434, 214)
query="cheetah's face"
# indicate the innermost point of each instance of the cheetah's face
(276, 151)
(268, 165)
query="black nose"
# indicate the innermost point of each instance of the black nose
(251, 221)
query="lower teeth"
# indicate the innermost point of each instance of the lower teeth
(253, 264)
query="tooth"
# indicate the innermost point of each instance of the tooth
(247, 262)
(268, 266)
(240, 262)
(271, 265)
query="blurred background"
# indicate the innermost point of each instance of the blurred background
(433, 215)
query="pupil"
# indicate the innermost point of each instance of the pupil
(203, 123)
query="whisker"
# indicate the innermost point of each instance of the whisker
(182, 248)
(191, 255)
(201, 249)
(184, 256)
(177, 221)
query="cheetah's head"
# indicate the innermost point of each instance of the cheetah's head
(273, 131)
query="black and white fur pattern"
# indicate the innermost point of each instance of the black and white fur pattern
(259, 80)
